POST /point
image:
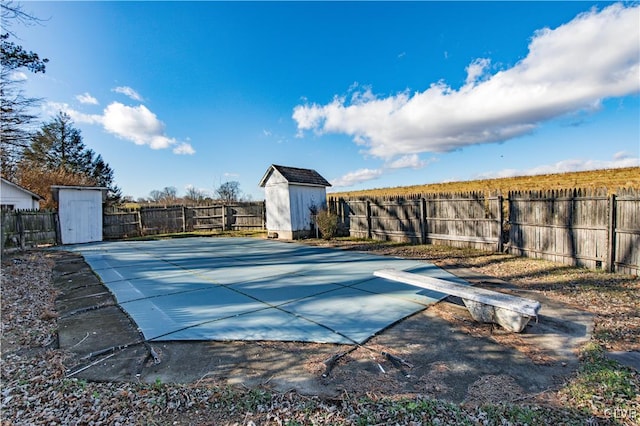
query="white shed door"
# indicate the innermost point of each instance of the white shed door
(81, 224)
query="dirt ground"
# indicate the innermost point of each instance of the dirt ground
(439, 352)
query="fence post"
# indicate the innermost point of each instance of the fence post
(20, 229)
(224, 217)
(139, 214)
(184, 219)
(2, 223)
(611, 234)
(423, 220)
(500, 224)
(369, 234)
(56, 224)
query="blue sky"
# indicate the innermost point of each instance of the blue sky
(369, 94)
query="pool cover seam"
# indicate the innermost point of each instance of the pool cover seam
(277, 307)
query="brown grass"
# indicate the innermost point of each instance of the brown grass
(611, 179)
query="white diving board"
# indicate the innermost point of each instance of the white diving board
(511, 312)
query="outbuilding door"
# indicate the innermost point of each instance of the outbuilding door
(80, 219)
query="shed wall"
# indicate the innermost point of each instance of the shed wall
(302, 198)
(277, 207)
(80, 214)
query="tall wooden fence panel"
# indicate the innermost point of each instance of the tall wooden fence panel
(356, 216)
(162, 220)
(396, 220)
(625, 247)
(207, 217)
(121, 224)
(246, 216)
(464, 220)
(172, 219)
(28, 228)
(566, 226)
(577, 227)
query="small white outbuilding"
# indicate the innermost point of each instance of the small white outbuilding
(80, 212)
(15, 197)
(291, 194)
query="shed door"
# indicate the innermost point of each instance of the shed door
(81, 223)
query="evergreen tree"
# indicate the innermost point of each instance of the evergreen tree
(59, 145)
(57, 150)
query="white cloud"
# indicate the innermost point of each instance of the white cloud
(476, 69)
(359, 176)
(407, 161)
(621, 159)
(140, 125)
(184, 148)
(623, 156)
(17, 76)
(53, 108)
(86, 98)
(137, 124)
(568, 69)
(128, 91)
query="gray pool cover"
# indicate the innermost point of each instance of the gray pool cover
(255, 289)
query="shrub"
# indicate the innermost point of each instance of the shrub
(327, 224)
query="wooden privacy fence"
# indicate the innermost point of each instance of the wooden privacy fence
(459, 220)
(170, 219)
(577, 227)
(28, 228)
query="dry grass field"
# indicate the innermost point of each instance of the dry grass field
(612, 179)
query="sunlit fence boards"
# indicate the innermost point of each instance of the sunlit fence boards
(590, 228)
(456, 219)
(567, 226)
(625, 245)
(171, 219)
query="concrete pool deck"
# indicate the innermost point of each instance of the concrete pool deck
(448, 360)
(252, 289)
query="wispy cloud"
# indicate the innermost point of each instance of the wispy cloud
(408, 161)
(353, 178)
(133, 123)
(184, 148)
(16, 76)
(570, 68)
(620, 159)
(128, 91)
(363, 175)
(86, 98)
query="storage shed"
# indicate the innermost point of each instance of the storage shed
(15, 197)
(80, 212)
(291, 194)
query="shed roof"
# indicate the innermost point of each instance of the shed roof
(26, 191)
(55, 190)
(296, 175)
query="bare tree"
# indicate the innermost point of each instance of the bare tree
(16, 117)
(228, 192)
(195, 196)
(168, 195)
